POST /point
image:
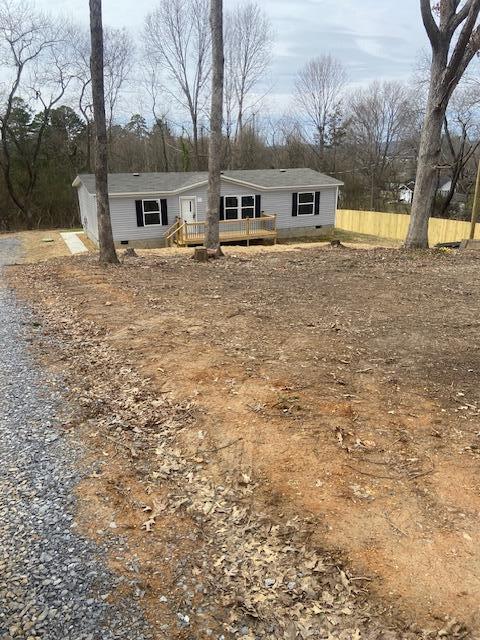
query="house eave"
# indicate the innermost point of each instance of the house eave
(257, 187)
(287, 187)
(142, 194)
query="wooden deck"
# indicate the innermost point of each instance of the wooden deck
(187, 234)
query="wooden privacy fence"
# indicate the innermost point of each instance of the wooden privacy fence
(395, 226)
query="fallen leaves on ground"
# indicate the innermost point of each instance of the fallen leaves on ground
(260, 578)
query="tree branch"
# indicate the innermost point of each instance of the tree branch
(431, 26)
(447, 12)
(457, 19)
(465, 39)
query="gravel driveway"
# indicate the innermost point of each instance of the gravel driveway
(53, 583)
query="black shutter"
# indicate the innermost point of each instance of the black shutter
(221, 211)
(294, 203)
(139, 208)
(163, 207)
(258, 206)
(317, 203)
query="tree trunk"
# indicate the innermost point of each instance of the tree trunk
(476, 205)
(164, 146)
(212, 240)
(428, 158)
(424, 194)
(240, 118)
(88, 132)
(196, 150)
(451, 192)
(105, 236)
(457, 23)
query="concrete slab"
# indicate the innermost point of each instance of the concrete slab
(73, 242)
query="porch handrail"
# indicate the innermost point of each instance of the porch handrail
(174, 230)
(171, 229)
(264, 216)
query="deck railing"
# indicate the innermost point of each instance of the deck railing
(185, 233)
(172, 232)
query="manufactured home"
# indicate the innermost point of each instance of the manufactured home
(157, 209)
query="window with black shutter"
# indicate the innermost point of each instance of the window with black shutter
(151, 212)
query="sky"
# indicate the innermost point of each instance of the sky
(374, 39)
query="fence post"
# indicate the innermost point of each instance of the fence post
(476, 205)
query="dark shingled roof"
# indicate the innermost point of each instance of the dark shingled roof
(175, 181)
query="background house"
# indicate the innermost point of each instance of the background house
(444, 185)
(405, 192)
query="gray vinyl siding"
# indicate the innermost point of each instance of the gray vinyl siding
(124, 218)
(88, 213)
(278, 202)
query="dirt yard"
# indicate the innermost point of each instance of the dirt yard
(38, 246)
(341, 385)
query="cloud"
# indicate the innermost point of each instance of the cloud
(371, 46)
(374, 39)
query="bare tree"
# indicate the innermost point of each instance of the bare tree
(462, 139)
(178, 38)
(35, 59)
(380, 116)
(212, 241)
(151, 81)
(118, 60)
(105, 236)
(248, 45)
(454, 39)
(288, 143)
(318, 91)
(83, 79)
(118, 54)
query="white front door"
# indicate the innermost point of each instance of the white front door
(188, 209)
